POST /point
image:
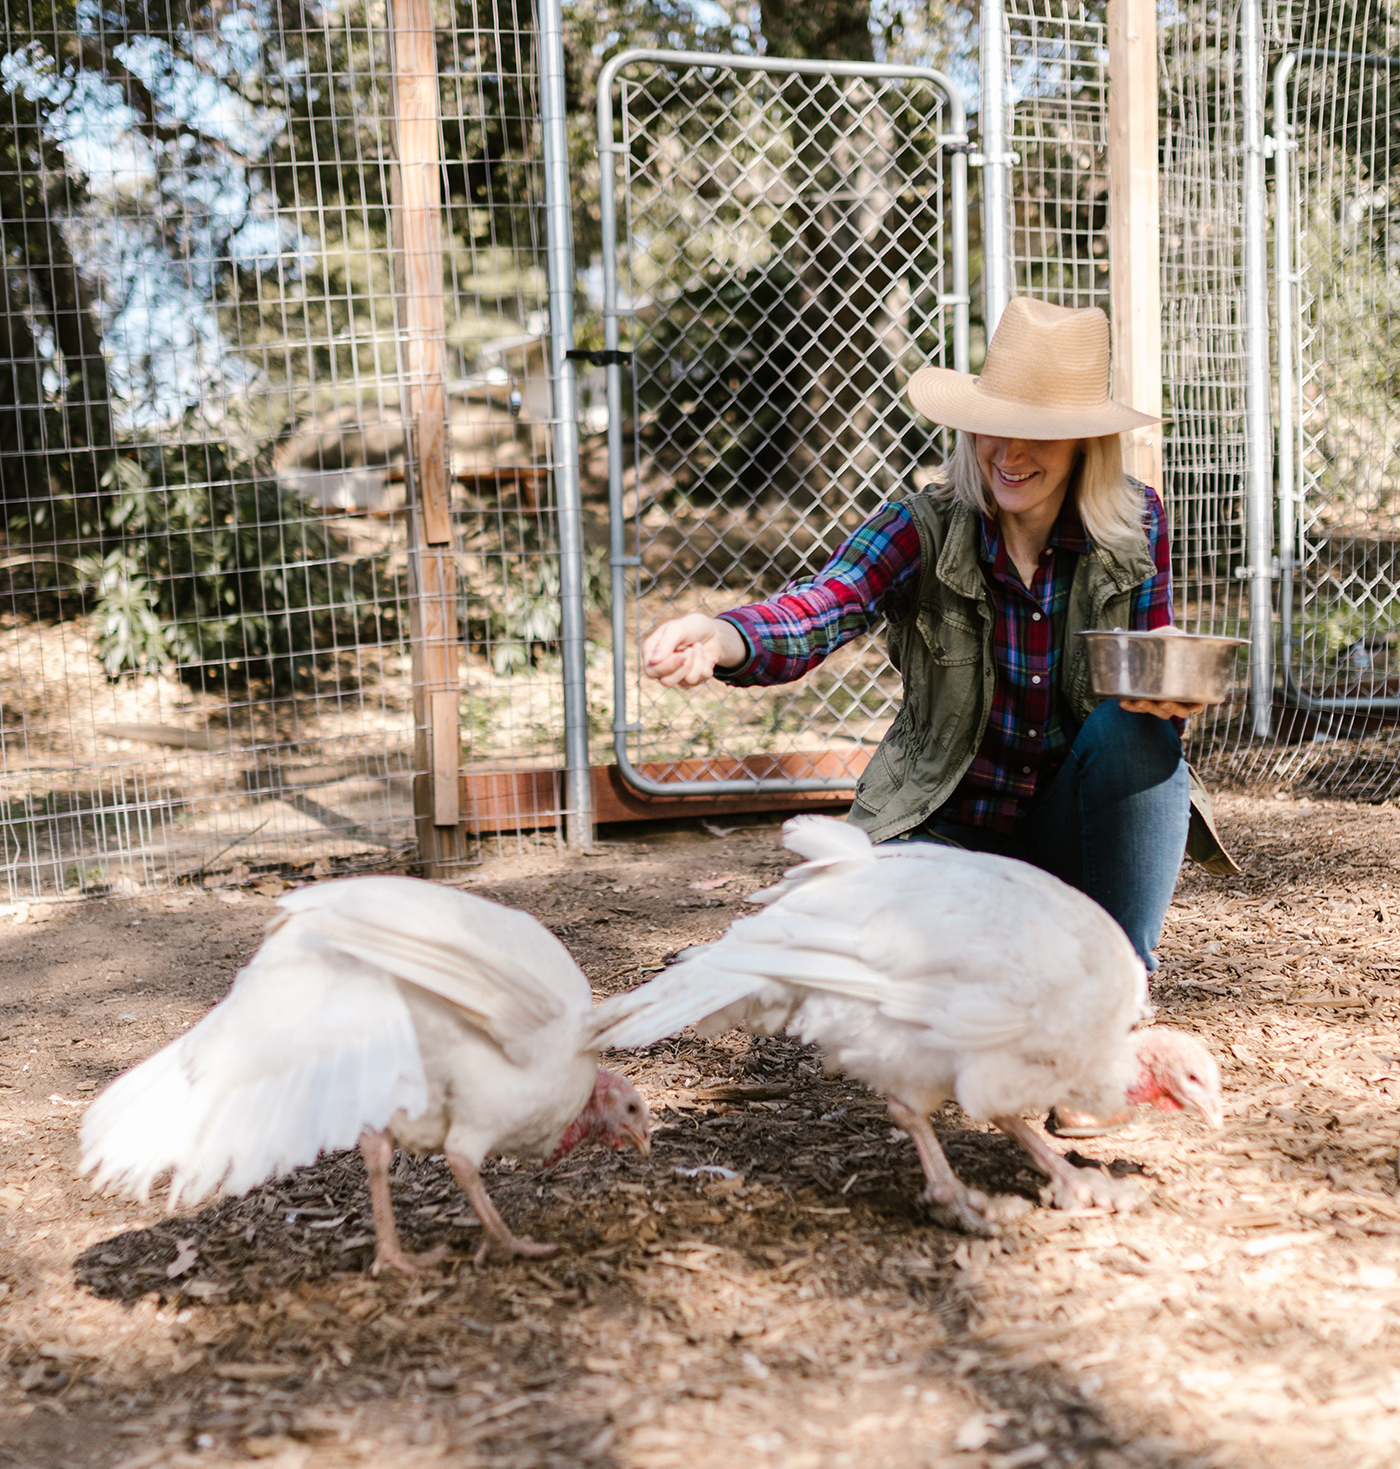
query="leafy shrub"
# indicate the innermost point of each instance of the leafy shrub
(222, 574)
(510, 606)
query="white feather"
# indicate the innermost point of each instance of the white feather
(382, 1003)
(496, 964)
(926, 971)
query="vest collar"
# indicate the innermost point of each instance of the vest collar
(1126, 569)
(959, 569)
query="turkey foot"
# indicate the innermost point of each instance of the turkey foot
(498, 1237)
(1070, 1187)
(950, 1201)
(389, 1254)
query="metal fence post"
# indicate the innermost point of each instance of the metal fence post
(578, 776)
(1259, 481)
(993, 108)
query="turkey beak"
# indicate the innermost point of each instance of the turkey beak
(640, 1137)
(1214, 1114)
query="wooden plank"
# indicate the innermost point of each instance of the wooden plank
(614, 800)
(511, 800)
(447, 801)
(418, 267)
(420, 194)
(1135, 288)
(437, 605)
(528, 800)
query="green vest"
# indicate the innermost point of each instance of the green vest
(943, 651)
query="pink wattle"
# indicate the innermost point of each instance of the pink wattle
(1148, 1089)
(573, 1135)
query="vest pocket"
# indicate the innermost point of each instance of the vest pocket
(949, 640)
(952, 672)
(883, 776)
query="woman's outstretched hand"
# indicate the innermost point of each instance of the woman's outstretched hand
(685, 651)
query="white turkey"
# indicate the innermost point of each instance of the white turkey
(384, 1011)
(930, 973)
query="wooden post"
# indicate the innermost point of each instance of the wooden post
(418, 238)
(1134, 231)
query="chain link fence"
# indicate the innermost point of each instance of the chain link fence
(790, 243)
(205, 607)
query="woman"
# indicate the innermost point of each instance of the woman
(1032, 534)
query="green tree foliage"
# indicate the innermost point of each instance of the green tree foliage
(720, 382)
(211, 575)
(55, 413)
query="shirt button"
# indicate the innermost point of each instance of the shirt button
(1035, 678)
(1025, 770)
(1031, 733)
(1035, 616)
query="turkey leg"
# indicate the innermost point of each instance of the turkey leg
(950, 1200)
(1070, 1187)
(469, 1180)
(389, 1254)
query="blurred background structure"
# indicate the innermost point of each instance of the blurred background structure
(315, 544)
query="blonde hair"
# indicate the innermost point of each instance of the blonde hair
(1109, 507)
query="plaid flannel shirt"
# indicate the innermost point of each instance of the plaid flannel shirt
(874, 574)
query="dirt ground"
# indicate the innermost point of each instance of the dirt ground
(764, 1289)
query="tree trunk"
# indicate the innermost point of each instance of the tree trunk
(23, 467)
(51, 446)
(88, 404)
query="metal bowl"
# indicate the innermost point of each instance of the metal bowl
(1188, 668)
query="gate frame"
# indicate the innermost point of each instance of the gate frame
(1282, 145)
(954, 141)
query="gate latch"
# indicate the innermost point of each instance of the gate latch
(959, 143)
(600, 359)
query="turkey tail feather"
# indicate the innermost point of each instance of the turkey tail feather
(824, 839)
(306, 1051)
(688, 994)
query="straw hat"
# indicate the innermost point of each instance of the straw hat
(1045, 377)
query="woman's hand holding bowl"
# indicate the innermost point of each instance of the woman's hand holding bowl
(1162, 708)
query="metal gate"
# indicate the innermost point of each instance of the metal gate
(783, 242)
(1338, 293)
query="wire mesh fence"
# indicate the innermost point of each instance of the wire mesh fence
(1061, 245)
(1059, 129)
(204, 642)
(1205, 449)
(207, 453)
(785, 255)
(1336, 102)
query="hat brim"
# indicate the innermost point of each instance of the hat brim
(955, 399)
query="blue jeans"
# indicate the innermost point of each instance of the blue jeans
(1112, 823)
